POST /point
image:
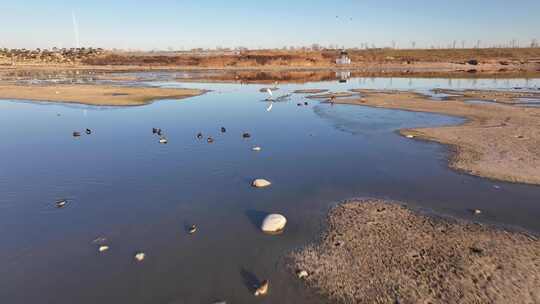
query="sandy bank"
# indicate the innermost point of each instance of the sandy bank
(93, 94)
(380, 252)
(498, 141)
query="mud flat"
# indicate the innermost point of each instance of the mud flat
(93, 94)
(377, 251)
(498, 141)
(331, 95)
(510, 97)
(310, 91)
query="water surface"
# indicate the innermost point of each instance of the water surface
(122, 185)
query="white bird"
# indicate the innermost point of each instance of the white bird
(269, 92)
(269, 107)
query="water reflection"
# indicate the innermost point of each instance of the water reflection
(124, 186)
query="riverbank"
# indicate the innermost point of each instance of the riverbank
(101, 95)
(377, 251)
(498, 141)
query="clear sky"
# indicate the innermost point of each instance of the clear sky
(230, 23)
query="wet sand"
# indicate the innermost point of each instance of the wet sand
(101, 95)
(498, 141)
(331, 95)
(510, 97)
(382, 252)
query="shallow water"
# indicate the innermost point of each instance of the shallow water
(122, 185)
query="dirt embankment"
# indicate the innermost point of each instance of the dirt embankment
(371, 62)
(93, 94)
(498, 141)
(382, 252)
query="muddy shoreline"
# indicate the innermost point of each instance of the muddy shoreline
(497, 141)
(98, 95)
(377, 251)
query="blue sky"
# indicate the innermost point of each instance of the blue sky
(205, 23)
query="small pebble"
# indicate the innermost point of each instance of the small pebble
(140, 256)
(301, 274)
(262, 289)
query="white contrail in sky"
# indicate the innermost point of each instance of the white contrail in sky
(75, 30)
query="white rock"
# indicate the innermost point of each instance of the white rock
(302, 274)
(261, 183)
(273, 223)
(140, 256)
(257, 148)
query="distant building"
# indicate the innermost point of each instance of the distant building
(343, 59)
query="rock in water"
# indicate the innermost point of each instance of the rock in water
(262, 289)
(261, 183)
(302, 274)
(273, 223)
(140, 256)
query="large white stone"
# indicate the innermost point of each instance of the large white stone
(273, 223)
(261, 183)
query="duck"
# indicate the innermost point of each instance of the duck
(76, 134)
(305, 103)
(246, 135)
(210, 140)
(88, 131)
(154, 130)
(61, 203)
(262, 289)
(223, 130)
(192, 229)
(162, 140)
(159, 132)
(199, 135)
